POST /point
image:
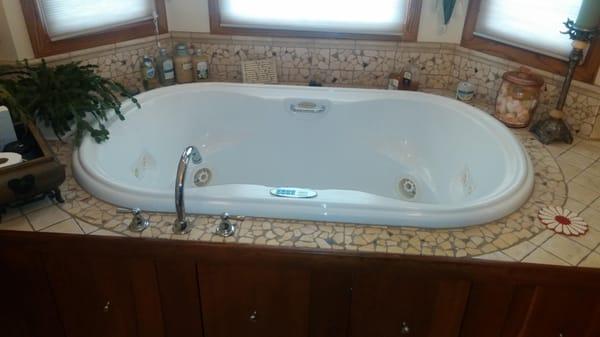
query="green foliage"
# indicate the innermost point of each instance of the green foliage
(66, 95)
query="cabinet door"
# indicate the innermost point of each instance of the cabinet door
(487, 308)
(27, 308)
(254, 301)
(179, 295)
(558, 312)
(96, 296)
(397, 304)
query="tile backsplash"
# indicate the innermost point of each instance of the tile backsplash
(344, 63)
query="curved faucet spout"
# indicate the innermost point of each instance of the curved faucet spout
(181, 225)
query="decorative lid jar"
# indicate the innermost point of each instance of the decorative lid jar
(518, 97)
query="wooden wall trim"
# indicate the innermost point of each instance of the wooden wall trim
(43, 46)
(412, 27)
(585, 72)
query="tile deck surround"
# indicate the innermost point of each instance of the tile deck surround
(565, 175)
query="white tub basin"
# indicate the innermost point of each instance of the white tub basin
(463, 166)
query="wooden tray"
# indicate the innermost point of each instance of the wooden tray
(29, 179)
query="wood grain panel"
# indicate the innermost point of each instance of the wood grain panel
(179, 297)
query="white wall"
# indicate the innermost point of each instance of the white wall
(431, 26)
(18, 29)
(7, 47)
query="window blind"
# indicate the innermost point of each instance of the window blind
(69, 18)
(534, 25)
(341, 16)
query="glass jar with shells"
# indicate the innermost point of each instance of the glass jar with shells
(518, 97)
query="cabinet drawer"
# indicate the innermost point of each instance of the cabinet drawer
(396, 304)
(254, 301)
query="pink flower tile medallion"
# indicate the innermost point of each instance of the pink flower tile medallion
(562, 221)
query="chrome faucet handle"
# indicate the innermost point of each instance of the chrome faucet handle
(227, 228)
(226, 216)
(138, 222)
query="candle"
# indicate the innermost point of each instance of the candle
(589, 14)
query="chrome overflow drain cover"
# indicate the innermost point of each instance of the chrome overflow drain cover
(407, 188)
(202, 177)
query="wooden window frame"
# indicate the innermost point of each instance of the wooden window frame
(412, 27)
(43, 46)
(585, 72)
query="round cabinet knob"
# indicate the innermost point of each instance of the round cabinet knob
(404, 329)
(106, 307)
(560, 334)
(253, 316)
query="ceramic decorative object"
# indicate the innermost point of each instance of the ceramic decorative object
(563, 221)
(518, 97)
(260, 71)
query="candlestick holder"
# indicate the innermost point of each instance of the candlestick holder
(554, 128)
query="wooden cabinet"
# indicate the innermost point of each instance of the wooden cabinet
(27, 307)
(556, 311)
(180, 297)
(69, 286)
(406, 304)
(273, 299)
(254, 301)
(104, 296)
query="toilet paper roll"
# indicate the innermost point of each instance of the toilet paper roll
(9, 158)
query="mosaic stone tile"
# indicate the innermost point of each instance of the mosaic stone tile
(344, 62)
(362, 60)
(375, 79)
(430, 62)
(292, 233)
(302, 75)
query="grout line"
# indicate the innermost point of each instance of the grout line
(556, 257)
(29, 223)
(34, 210)
(78, 225)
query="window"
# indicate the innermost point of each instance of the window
(527, 32)
(381, 19)
(59, 26)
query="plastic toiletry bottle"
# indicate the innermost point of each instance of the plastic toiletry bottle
(166, 72)
(149, 76)
(200, 66)
(183, 64)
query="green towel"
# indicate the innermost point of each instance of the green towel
(448, 9)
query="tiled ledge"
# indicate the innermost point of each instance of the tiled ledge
(518, 237)
(345, 62)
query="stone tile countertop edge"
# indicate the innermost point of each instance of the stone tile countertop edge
(568, 173)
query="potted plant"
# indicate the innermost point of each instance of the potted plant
(67, 97)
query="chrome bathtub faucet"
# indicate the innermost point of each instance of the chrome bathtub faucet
(181, 224)
(138, 222)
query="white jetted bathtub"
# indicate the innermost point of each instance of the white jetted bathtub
(324, 154)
